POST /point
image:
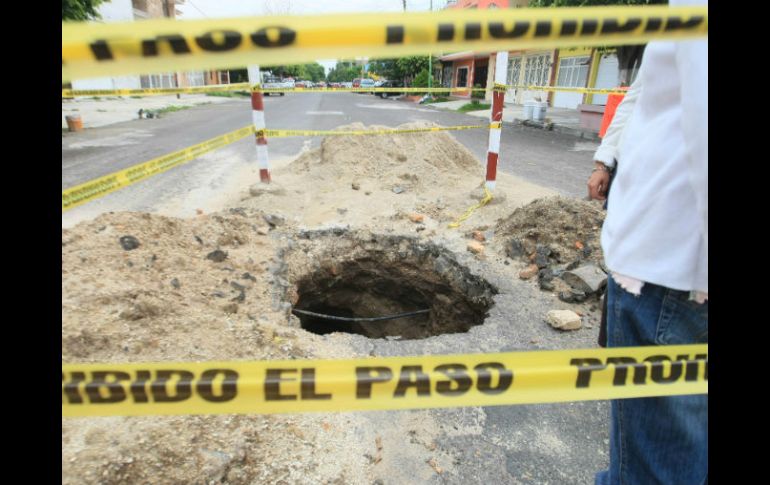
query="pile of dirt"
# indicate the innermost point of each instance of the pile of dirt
(409, 160)
(570, 228)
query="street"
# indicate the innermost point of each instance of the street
(561, 443)
(553, 160)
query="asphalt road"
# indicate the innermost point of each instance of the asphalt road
(533, 444)
(550, 159)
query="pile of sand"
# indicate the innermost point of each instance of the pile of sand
(410, 160)
(571, 228)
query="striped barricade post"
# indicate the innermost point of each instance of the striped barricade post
(496, 119)
(258, 115)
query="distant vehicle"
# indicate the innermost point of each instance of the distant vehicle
(272, 82)
(347, 84)
(321, 84)
(390, 84)
(379, 83)
(335, 85)
(363, 83)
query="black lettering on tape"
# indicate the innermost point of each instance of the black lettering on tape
(70, 389)
(611, 26)
(138, 387)
(446, 32)
(110, 382)
(282, 36)
(205, 386)
(307, 388)
(543, 28)
(589, 27)
(497, 30)
(457, 374)
(473, 31)
(585, 367)
(484, 383)
(365, 379)
(219, 40)
(177, 42)
(658, 368)
(101, 50)
(653, 24)
(676, 23)
(394, 34)
(182, 390)
(568, 27)
(273, 381)
(421, 381)
(622, 364)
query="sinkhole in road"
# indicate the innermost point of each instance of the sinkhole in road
(439, 295)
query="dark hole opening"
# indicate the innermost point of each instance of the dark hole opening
(368, 288)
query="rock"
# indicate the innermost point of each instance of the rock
(475, 247)
(237, 286)
(572, 296)
(218, 294)
(248, 276)
(541, 255)
(420, 228)
(355, 186)
(263, 231)
(175, 283)
(217, 255)
(367, 193)
(529, 246)
(397, 189)
(507, 263)
(262, 188)
(401, 157)
(341, 211)
(129, 242)
(415, 217)
(240, 298)
(528, 272)
(479, 236)
(273, 220)
(564, 319)
(200, 241)
(546, 274)
(572, 265)
(514, 249)
(588, 278)
(230, 308)
(547, 285)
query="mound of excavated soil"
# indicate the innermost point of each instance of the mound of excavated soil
(410, 160)
(571, 228)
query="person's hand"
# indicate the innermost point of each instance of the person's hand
(598, 181)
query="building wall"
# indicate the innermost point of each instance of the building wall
(456, 65)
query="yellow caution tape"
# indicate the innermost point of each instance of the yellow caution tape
(93, 189)
(287, 133)
(71, 93)
(163, 45)
(436, 381)
(484, 201)
(365, 90)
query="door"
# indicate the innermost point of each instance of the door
(462, 81)
(573, 73)
(606, 77)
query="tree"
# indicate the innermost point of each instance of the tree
(80, 9)
(629, 56)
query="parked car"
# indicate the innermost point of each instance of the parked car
(363, 83)
(390, 84)
(335, 85)
(272, 82)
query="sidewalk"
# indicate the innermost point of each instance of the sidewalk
(561, 120)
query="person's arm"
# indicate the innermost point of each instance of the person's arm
(605, 156)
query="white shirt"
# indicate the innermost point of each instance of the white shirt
(656, 228)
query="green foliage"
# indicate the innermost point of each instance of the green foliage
(313, 72)
(421, 80)
(474, 106)
(229, 94)
(343, 72)
(80, 9)
(478, 94)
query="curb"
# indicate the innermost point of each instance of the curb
(565, 130)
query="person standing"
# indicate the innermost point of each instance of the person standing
(655, 242)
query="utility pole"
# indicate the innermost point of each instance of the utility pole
(430, 63)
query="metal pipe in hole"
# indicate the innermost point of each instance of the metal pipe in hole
(360, 319)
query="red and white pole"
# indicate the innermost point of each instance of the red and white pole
(258, 117)
(496, 118)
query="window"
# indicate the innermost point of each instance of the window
(514, 71)
(462, 77)
(536, 70)
(447, 77)
(573, 72)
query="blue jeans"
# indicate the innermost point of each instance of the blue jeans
(656, 440)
